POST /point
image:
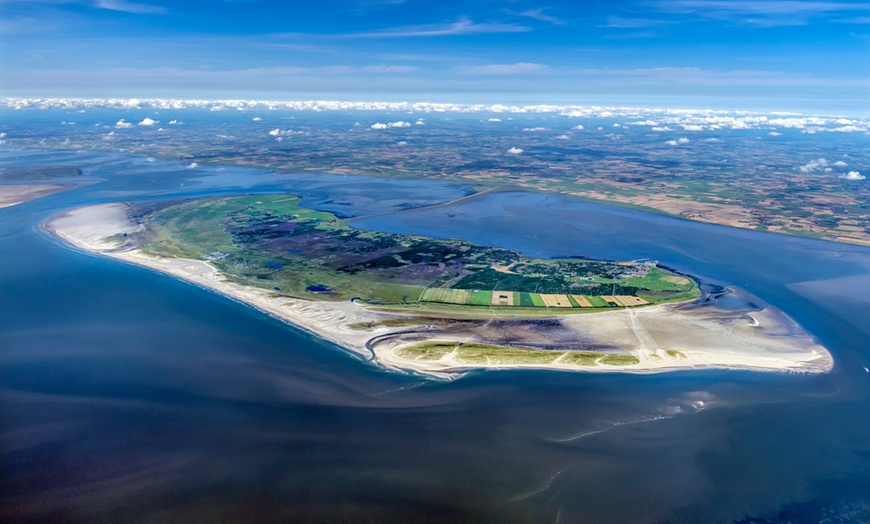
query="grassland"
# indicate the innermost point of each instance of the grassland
(490, 354)
(272, 242)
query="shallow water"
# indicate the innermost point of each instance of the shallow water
(127, 395)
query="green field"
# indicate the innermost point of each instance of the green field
(597, 301)
(272, 242)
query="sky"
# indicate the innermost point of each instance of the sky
(791, 55)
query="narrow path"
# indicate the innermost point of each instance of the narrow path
(434, 206)
(647, 343)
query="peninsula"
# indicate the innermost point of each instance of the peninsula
(437, 306)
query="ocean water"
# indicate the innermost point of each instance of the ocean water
(126, 395)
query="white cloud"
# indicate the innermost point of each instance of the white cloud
(402, 143)
(175, 123)
(678, 142)
(494, 120)
(504, 69)
(256, 119)
(813, 165)
(774, 133)
(854, 175)
(121, 124)
(849, 129)
(379, 125)
(838, 163)
(277, 132)
(515, 151)
(534, 129)
(192, 165)
(644, 123)
(463, 26)
(692, 127)
(130, 7)
(711, 140)
(147, 122)
(661, 128)
(563, 137)
(579, 127)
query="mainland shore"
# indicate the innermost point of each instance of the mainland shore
(666, 337)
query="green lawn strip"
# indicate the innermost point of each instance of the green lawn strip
(477, 353)
(655, 280)
(479, 298)
(537, 300)
(669, 297)
(619, 360)
(462, 311)
(572, 301)
(597, 301)
(526, 300)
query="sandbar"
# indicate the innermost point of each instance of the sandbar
(14, 194)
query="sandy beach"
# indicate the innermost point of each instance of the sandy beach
(663, 338)
(15, 194)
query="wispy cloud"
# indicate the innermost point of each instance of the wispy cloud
(463, 26)
(503, 69)
(542, 15)
(130, 7)
(618, 22)
(699, 76)
(762, 12)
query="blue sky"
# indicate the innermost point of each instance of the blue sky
(806, 55)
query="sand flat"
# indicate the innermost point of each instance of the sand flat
(14, 194)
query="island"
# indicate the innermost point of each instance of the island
(443, 307)
(23, 184)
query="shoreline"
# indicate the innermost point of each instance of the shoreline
(95, 229)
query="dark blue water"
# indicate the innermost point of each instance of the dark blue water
(129, 396)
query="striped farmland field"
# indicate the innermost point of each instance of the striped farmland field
(581, 300)
(502, 298)
(555, 300)
(445, 296)
(629, 300)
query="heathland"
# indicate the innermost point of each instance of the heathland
(270, 241)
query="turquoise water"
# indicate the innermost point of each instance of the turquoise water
(127, 395)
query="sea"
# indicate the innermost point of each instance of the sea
(130, 396)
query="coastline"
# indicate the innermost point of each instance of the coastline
(737, 344)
